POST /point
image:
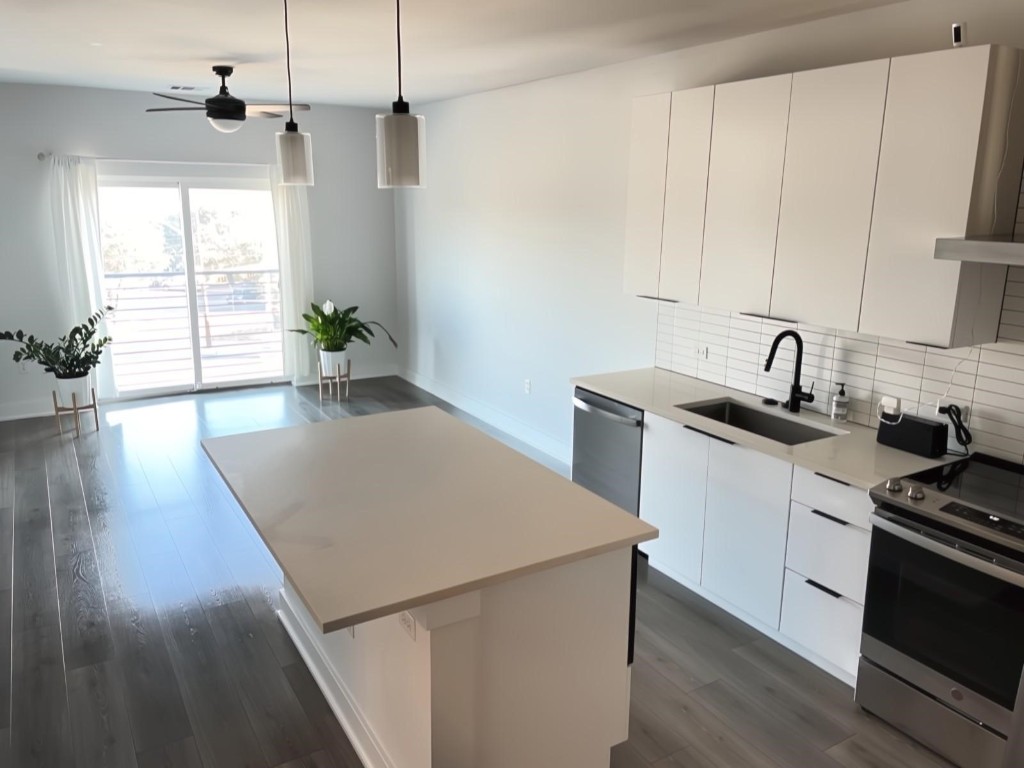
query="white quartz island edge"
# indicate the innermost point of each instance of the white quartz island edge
(489, 596)
(854, 457)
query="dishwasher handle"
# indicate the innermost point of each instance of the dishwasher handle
(589, 408)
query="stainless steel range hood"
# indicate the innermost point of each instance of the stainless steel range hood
(986, 250)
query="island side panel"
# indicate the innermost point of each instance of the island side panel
(554, 683)
(377, 680)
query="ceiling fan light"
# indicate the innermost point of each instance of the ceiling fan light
(401, 144)
(295, 157)
(225, 125)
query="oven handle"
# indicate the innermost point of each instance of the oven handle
(944, 550)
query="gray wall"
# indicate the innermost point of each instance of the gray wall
(352, 221)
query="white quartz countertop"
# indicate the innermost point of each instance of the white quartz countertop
(855, 457)
(373, 515)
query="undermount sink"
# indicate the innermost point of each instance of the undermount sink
(779, 428)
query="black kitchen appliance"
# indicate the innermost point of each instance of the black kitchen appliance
(942, 650)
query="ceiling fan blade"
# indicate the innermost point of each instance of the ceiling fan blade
(178, 109)
(277, 107)
(263, 114)
(178, 98)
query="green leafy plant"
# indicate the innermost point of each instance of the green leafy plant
(71, 356)
(334, 329)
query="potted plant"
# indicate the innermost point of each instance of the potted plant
(70, 359)
(334, 329)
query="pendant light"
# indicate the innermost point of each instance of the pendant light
(401, 137)
(294, 149)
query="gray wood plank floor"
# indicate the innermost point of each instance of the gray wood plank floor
(137, 623)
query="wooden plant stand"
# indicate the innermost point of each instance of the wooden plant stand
(76, 409)
(333, 378)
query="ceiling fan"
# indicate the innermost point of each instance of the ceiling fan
(225, 112)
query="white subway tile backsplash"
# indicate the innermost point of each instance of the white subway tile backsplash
(730, 348)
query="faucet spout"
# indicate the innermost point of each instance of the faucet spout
(796, 393)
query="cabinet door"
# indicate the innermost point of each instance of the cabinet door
(748, 150)
(933, 119)
(746, 517)
(828, 188)
(686, 188)
(645, 196)
(673, 478)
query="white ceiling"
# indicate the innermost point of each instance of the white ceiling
(343, 51)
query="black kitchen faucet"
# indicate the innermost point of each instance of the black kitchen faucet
(796, 392)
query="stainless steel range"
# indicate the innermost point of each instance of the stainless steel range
(943, 642)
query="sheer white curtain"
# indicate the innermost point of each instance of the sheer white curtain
(74, 204)
(291, 212)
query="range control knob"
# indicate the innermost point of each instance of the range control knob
(915, 493)
(893, 485)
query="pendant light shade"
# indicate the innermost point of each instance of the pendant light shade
(401, 137)
(294, 149)
(295, 156)
(400, 143)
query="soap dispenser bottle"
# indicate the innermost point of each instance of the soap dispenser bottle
(840, 404)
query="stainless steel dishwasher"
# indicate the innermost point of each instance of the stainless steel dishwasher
(606, 443)
(607, 438)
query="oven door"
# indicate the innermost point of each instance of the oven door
(945, 620)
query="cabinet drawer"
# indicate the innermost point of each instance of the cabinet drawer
(832, 497)
(831, 553)
(826, 625)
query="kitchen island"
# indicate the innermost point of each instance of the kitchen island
(458, 604)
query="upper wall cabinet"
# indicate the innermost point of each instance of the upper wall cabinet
(943, 145)
(835, 126)
(686, 187)
(748, 150)
(645, 197)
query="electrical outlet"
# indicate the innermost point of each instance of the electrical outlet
(408, 623)
(22, 367)
(527, 386)
(352, 631)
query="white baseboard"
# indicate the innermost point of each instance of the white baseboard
(338, 697)
(496, 418)
(26, 409)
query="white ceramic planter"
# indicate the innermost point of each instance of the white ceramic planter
(80, 387)
(330, 361)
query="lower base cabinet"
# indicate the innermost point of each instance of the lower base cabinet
(746, 520)
(822, 621)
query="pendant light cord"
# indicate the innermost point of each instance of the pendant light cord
(398, 29)
(288, 63)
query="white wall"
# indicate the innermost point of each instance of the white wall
(352, 221)
(510, 262)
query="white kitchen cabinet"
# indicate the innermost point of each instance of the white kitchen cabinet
(746, 519)
(828, 188)
(645, 196)
(824, 623)
(686, 186)
(673, 480)
(828, 550)
(835, 497)
(942, 147)
(748, 150)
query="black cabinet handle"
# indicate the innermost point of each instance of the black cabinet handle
(708, 434)
(841, 482)
(823, 588)
(827, 516)
(657, 298)
(769, 317)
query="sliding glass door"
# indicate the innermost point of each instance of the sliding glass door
(192, 271)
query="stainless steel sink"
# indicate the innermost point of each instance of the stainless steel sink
(760, 422)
